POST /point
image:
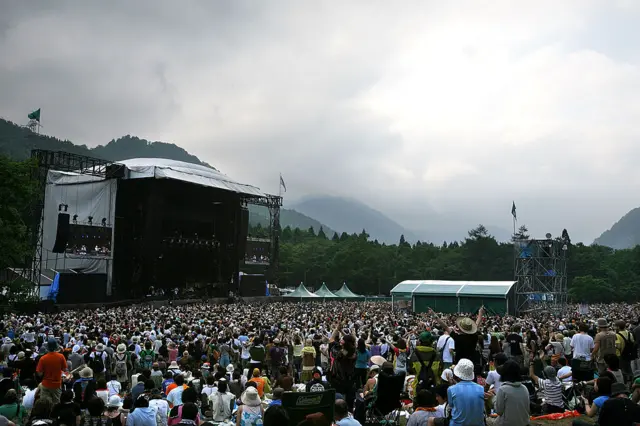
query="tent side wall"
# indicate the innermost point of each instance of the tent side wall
(495, 305)
(439, 303)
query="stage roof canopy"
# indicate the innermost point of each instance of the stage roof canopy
(301, 293)
(345, 293)
(161, 168)
(455, 288)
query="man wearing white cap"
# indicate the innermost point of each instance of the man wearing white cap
(466, 398)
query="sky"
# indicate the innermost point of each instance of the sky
(421, 108)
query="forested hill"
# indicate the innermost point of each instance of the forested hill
(625, 233)
(16, 142)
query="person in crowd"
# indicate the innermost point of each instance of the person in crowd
(466, 398)
(511, 402)
(114, 413)
(619, 410)
(342, 416)
(67, 412)
(425, 407)
(604, 344)
(41, 413)
(550, 387)
(142, 414)
(446, 348)
(602, 387)
(222, 402)
(84, 388)
(275, 415)
(12, 409)
(51, 367)
(251, 411)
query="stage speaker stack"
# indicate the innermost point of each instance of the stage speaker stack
(62, 233)
(243, 231)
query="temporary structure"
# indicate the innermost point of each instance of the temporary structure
(324, 292)
(301, 293)
(345, 293)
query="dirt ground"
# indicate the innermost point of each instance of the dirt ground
(563, 422)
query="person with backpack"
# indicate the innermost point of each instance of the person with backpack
(604, 344)
(425, 362)
(626, 349)
(98, 361)
(147, 356)
(84, 388)
(122, 365)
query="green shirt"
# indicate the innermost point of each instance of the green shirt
(13, 412)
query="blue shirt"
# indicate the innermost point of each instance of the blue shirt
(348, 421)
(275, 402)
(466, 400)
(362, 360)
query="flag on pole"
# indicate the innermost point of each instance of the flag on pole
(513, 211)
(282, 184)
(35, 115)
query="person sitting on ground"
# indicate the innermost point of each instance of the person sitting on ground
(276, 398)
(317, 384)
(602, 387)
(466, 398)
(511, 401)
(550, 387)
(221, 402)
(275, 415)
(564, 373)
(443, 411)
(425, 408)
(619, 410)
(341, 413)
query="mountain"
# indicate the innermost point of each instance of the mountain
(351, 216)
(17, 142)
(625, 233)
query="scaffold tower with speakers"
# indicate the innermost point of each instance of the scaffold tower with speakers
(541, 274)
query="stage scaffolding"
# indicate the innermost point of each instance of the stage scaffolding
(541, 275)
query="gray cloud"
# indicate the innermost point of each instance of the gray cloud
(420, 109)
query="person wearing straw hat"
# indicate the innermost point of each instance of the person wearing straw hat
(84, 388)
(466, 398)
(619, 410)
(250, 412)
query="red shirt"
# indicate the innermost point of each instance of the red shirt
(51, 366)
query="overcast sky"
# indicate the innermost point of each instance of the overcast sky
(411, 107)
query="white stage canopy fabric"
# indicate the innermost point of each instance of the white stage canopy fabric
(161, 168)
(85, 196)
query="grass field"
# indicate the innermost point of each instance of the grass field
(563, 422)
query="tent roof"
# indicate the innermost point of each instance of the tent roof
(345, 292)
(161, 168)
(301, 292)
(324, 292)
(453, 288)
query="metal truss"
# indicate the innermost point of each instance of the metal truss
(273, 203)
(540, 275)
(43, 161)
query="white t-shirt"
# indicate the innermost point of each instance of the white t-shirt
(162, 408)
(565, 370)
(447, 375)
(114, 387)
(493, 378)
(446, 353)
(582, 345)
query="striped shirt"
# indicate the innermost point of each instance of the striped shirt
(551, 392)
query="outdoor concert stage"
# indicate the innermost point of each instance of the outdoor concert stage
(105, 232)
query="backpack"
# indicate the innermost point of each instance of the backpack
(426, 378)
(628, 353)
(97, 363)
(147, 358)
(121, 365)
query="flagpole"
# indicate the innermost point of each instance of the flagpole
(280, 186)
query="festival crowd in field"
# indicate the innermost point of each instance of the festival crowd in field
(237, 363)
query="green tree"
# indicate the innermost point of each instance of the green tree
(321, 234)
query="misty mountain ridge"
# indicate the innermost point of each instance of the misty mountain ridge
(624, 234)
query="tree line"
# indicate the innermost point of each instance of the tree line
(595, 273)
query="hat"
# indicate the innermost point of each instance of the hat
(276, 341)
(21, 355)
(86, 373)
(256, 372)
(550, 373)
(378, 360)
(173, 365)
(114, 401)
(99, 347)
(75, 349)
(618, 389)
(559, 337)
(250, 397)
(206, 366)
(122, 348)
(467, 325)
(425, 336)
(52, 344)
(602, 323)
(230, 368)
(374, 367)
(464, 370)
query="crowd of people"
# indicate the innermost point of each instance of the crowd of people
(236, 363)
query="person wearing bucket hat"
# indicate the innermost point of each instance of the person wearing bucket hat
(466, 398)
(465, 338)
(84, 387)
(604, 344)
(250, 412)
(619, 410)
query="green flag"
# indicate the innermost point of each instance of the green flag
(35, 115)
